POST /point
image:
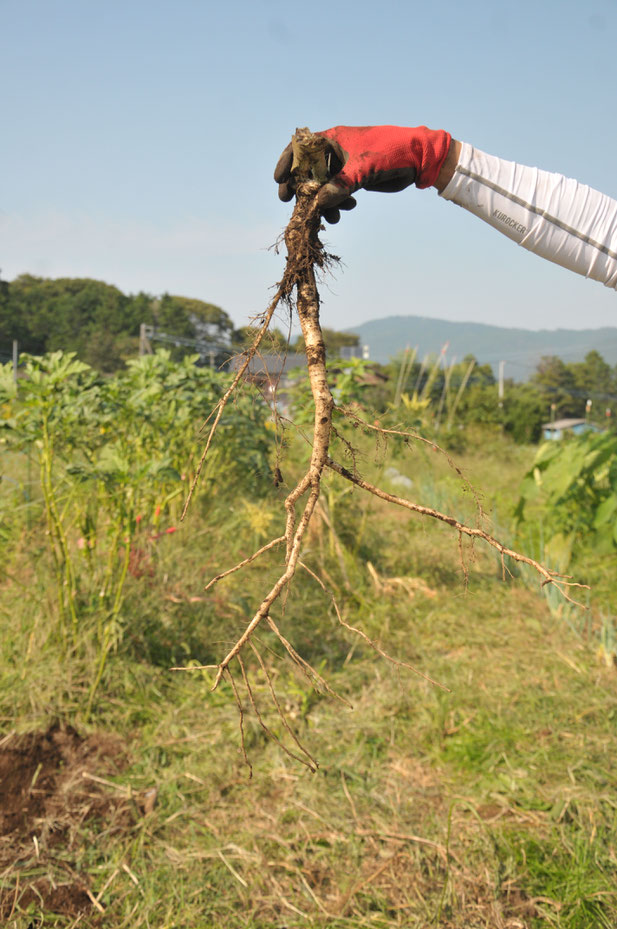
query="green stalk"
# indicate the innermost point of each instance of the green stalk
(420, 375)
(64, 574)
(57, 565)
(109, 571)
(460, 392)
(444, 393)
(409, 357)
(425, 392)
(106, 635)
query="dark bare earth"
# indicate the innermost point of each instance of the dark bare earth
(49, 807)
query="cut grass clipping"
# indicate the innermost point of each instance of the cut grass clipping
(306, 257)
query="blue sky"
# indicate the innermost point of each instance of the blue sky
(139, 138)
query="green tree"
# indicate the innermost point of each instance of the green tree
(274, 340)
(193, 319)
(556, 379)
(5, 328)
(481, 375)
(521, 412)
(524, 411)
(334, 341)
(593, 374)
(70, 314)
(16, 315)
(100, 323)
(594, 380)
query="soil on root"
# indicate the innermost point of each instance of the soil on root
(48, 802)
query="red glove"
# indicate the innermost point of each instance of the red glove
(384, 158)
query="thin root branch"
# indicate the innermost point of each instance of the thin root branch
(374, 645)
(461, 555)
(241, 714)
(410, 434)
(280, 712)
(243, 564)
(561, 581)
(313, 677)
(249, 355)
(264, 725)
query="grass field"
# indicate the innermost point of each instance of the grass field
(491, 803)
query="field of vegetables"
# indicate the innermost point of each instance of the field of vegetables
(127, 798)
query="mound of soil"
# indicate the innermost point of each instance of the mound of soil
(50, 804)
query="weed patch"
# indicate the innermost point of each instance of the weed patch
(490, 805)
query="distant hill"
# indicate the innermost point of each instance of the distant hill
(102, 324)
(521, 349)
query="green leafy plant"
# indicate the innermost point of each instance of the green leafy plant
(571, 490)
(348, 380)
(114, 456)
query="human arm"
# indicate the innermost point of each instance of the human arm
(550, 215)
(553, 216)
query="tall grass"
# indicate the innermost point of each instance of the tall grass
(490, 804)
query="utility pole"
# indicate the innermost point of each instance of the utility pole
(144, 344)
(500, 392)
(15, 358)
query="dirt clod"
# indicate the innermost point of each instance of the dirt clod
(47, 800)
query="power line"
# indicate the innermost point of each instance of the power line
(204, 348)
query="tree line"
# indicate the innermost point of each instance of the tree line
(98, 321)
(101, 325)
(556, 390)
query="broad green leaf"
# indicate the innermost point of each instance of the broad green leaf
(605, 511)
(558, 550)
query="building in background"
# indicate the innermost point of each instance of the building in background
(558, 428)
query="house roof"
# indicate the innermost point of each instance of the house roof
(272, 365)
(565, 423)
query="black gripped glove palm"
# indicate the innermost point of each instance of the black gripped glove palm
(382, 158)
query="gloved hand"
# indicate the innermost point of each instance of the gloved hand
(383, 158)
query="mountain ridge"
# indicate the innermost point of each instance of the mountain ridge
(520, 349)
